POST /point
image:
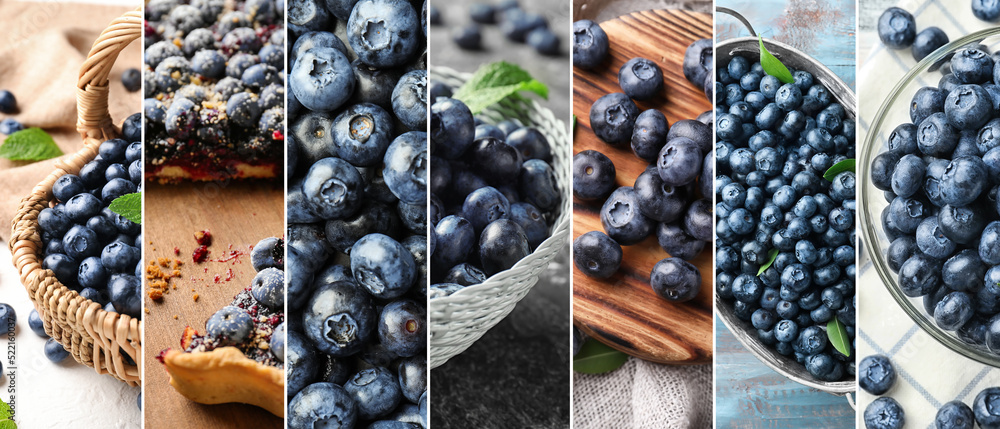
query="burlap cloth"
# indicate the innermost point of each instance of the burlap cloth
(644, 395)
(42, 46)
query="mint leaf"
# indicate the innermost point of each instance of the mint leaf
(32, 144)
(495, 81)
(596, 358)
(772, 65)
(771, 256)
(129, 206)
(837, 334)
(840, 167)
(5, 417)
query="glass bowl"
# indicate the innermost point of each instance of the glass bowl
(894, 111)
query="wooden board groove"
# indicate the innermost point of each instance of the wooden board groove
(624, 311)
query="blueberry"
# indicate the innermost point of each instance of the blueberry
(302, 362)
(612, 117)
(80, 242)
(339, 318)
(484, 206)
(268, 253)
(517, 24)
(593, 175)
(679, 162)
(675, 280)
(936, 136)
(402, 328)
(640, 78)
(698, 220)
(596, 254)
(375, 391)
(495, 161)
(383, 33)
(928, 40)
(54, 351)
(955, 414)
(36, 324)
(8, 104)
(544, 41)
(896, 28)
(382, 266)
(986, 10)
(622, 218)
(537, 185)
(528, 141)
(963, 180)
(322, 404)
(64, 267)
(590, 44)
(10, 126)
(468, 37)
(333, 188)
(322, 79)
(126, 294)
(876, 374)
(501, 245)
(649, 134)
(987, 416)
(452, 128)
(968, 107)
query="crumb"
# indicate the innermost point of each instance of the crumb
(203, 237)
(196, 297)
(175, 317)
(200, 254)
(177, 251)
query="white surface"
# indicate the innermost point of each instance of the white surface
(61, 395)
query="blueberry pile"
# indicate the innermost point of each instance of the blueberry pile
(775, 143)
(494, 194)
(214, 86)
(516, 24)
(357, 245)
(939, 176)
(672, 197)
(91, 249)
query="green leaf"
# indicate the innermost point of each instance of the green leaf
(32, 144)
(129, 206)
(5, 417)
(840, 167)
(495, 81)
(771, 256)
(596, 358)
(772, 65)
(837, 334)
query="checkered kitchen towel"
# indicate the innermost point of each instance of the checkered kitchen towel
(929, 374)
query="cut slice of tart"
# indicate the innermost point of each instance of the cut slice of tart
(240, 357)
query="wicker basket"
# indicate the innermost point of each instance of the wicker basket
(93, 336)
(458, 320)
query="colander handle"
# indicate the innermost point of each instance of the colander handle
(737, 15)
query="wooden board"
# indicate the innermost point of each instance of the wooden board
(238, 214)
(624, 311)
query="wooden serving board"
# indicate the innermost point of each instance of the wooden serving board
(623, 311)
(238, 214)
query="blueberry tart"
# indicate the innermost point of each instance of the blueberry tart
(240, 356)
(214, 90)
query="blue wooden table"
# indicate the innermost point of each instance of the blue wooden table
(748, 393)
(824, 29)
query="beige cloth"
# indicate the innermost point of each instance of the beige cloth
(41, 49)
(644, 395)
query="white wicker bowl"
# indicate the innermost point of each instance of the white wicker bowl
(458, 320)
